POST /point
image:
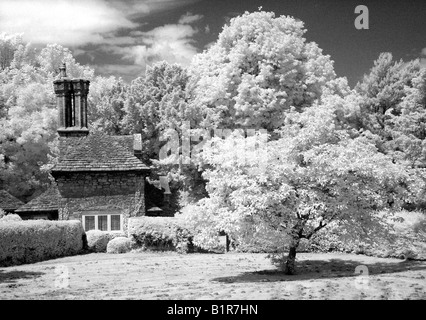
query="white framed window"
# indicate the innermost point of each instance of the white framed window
(102, 221)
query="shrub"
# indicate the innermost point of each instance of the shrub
(406, 241)
(161, 233)
(10, 217)
(119, 245)
(420, 226)
(97, 240)
(30, 241)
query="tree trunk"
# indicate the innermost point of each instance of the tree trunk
(290, 267)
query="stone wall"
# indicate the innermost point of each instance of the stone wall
(131, 205)
(101, 192)
(90, 184)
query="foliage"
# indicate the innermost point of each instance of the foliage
(161, 233)
(28, 111)
(119, 245)
(259, 67)
(405, 238)
(393, 107)
(315, 174)
(97, 240)
(9, 217)
(30, 241)
(106, 101)
(156, 103)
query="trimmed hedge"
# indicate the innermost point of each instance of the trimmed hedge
(97, 240)
(161, 233)
(10, 217)
(119, 245)
(30, 241)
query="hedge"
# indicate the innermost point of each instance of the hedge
(30, 241)
(97, 240)
(10, 217)
(160, 233)
(119, 245)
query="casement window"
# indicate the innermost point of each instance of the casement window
(102, 222)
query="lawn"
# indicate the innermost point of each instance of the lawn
(168, 275)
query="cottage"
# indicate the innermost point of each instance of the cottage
(100, 179)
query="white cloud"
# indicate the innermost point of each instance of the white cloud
(171, 42)
(75, 22)
(189, 18)
(64, 22)
(104, 30)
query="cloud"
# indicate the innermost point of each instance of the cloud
(189, 18)
(172, 42)
(127, 72)
(105, 33)
(64, 22)
(76, 22)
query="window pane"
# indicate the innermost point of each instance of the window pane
(115, 222)
(103, 223)
(89, 223)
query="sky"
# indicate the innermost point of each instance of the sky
(121, 38)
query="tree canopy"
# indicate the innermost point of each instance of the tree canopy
(259, 67)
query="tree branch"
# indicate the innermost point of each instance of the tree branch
(321, 225)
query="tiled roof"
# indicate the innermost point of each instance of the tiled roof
(98, 152)
(45, 202)
(9, 202)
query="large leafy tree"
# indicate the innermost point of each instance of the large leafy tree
(259, 67)
(315, 174)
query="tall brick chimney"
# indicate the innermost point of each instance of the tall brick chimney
(71, 101)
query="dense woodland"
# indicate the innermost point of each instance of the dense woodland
(334, 152)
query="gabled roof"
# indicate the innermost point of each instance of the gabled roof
(98, 152)
(47, 201)
(9, 202)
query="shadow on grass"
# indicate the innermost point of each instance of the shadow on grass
(322, 269)
(14, 276)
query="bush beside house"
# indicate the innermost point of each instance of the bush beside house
(119, 245)
(161, 233)
(36, 240)
(10, 217)
(97, 240)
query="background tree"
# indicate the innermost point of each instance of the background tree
(106, 101)
(393, 100)
(155, 104)
(259, 67)
(28, 112)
